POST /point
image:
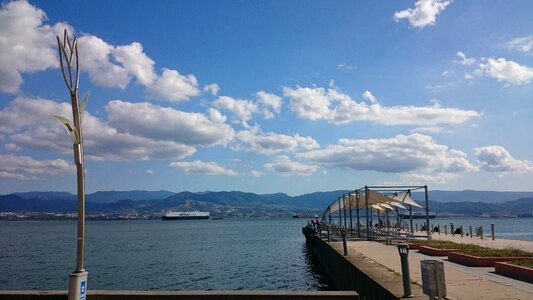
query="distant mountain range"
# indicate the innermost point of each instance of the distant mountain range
(472, 203)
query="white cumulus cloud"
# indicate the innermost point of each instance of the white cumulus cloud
(165, 123)
(173, 86)
(27, 168)
(271, 104)
(136, 62)
(95, 59)
(505, 70)
(522, 44)
(368, 96)
(399, 154)
(26, 44)
(286, 167)
(242, 110)
(463, 60)
(424, 14)
(335, 107)
(212, 88)
(271, 143)
(256, 174)
(201, 167)
(498, 159)
(25, 121)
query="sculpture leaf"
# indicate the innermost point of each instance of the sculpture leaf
(67, 124)
(83, 103)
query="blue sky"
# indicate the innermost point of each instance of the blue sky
(271, 96)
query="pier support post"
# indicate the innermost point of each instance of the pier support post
(445, 230)
(403, 249)
(344, 242)
(461, 230)
(451, 229)
(471, 236)
(492, 230)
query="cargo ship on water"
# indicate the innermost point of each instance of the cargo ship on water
(185, 215)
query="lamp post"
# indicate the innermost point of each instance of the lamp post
(68, 57)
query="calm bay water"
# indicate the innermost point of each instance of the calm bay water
(229, 254)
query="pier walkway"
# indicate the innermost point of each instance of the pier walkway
(461, 282)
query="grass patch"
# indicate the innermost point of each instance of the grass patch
(475, 250)
(523, 263)
(439, 244)
(488, 252)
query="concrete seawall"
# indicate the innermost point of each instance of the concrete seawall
(356, 272)
(183, 295)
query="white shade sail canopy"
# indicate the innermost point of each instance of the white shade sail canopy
(385, 205)
(359, 200)
(375, 200)
(377, 207)
(397, 204)
(406, 199)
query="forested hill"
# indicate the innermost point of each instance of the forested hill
(441, 202)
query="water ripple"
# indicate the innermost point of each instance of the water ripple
(156, 255)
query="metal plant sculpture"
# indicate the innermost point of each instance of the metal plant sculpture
(68, 57)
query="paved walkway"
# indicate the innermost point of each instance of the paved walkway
(461, 282)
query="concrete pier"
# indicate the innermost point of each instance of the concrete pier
(357, 272)
(373, 269)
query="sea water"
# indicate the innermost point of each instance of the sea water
(229, 254)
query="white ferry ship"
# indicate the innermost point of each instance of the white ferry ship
(185, 215)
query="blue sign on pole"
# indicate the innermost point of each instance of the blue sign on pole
(82, 289)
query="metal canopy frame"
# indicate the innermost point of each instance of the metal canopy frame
(344, 201)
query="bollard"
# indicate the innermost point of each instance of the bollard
(344, 243)
(329, 234)
(471, 236)
(403, 249)
(461, 230)
(451, 229)
(445, 230)
(492, 230)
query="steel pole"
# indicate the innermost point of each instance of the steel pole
(427, 211)
(367, 220)
(344, 209)
(350, 207)
(410, 213)
(357, 212)
(340, 213)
